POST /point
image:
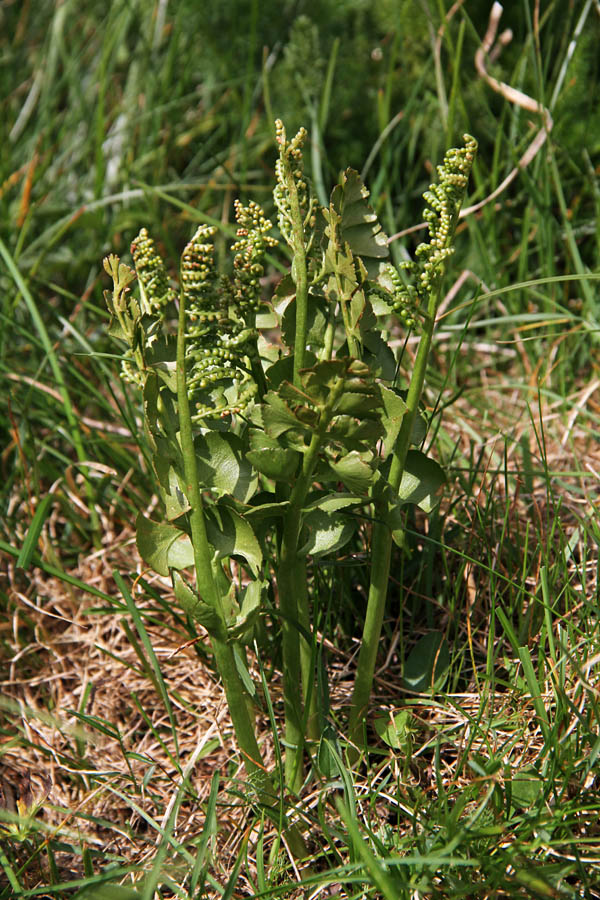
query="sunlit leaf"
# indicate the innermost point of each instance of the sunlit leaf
(394, 730)
(223, 467)
(394, 410)
(163, 546)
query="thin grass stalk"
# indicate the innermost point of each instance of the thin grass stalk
(61, 384)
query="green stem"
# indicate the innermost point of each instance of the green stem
(293, 600)
(352, 344)
(446, 203)
(293, 613)
(381, 548)
(299, 268)
(307, 660)
(237, 699)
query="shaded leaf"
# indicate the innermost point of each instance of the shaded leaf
(421, 480)
(358, 224)
(355, 469)
(327, 532)
(241, 629)
(426, 668)
(170, 484)
(279, 463)
(329, 752)
(231, 535)
(277, 416)
(317, 315)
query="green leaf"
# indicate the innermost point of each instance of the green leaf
(160, 355)
(317, 315)
(279, 463)
(377, 353)
(170, 485)
(328, 532)
(160, 415)
(394, 410)
(281, 370)
(223, 467)
(331, 503)
(197, 609)
(421, 480)
(243, 672)
(31, 539)
(419, 430)
(163, 546)
(355, 433)
(426, 668)
(355, 469)
(359, 404)
(277, 416)
(359, 226)
(329, 752)
(241, 630)
(231, 535)
(266, 510)
(394, 730)
(526, 787)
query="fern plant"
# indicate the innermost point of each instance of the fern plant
(268, 455)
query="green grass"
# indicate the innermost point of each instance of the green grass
(111, 122)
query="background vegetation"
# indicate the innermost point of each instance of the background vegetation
(128, 114)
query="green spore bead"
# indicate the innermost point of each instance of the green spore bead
(444, 201)
(199, 277)
(156, 292)
(249, 249)
(290, 164)
(218, 342)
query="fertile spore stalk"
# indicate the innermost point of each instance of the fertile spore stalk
(445, 199)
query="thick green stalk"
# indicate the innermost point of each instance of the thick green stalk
(207, 588)
(293, 614)
(307, 660)
(293, 600)
(381, 547)
(444, 200)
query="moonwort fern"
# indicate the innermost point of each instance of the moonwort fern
(265, 457)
